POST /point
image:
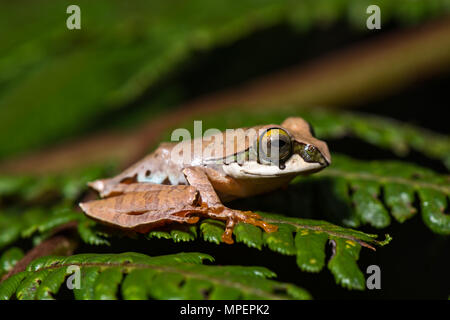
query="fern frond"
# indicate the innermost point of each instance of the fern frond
(64, 187)
(177, 276)
(370, 190)
(301, 237)
(304, 238)
(40, 204)
(400, 137)
(13, 224)
(9, 259)
(40, 223)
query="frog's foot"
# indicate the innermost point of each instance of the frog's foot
(232, 217)
(197, 178)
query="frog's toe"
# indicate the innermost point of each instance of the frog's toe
(227, 236)
(236, 216)
(255, 219)
(251, 214)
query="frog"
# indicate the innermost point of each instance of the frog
(166, 186)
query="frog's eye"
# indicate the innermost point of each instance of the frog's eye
(275, 146)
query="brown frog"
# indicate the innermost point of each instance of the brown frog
(182, 182)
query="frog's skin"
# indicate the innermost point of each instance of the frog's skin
(162, 188)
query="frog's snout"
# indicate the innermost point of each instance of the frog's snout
(325, 152)
(327, 162)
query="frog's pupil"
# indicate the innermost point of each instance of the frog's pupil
(280, 141)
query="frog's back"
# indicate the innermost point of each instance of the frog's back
(156, 167)
(159, 167)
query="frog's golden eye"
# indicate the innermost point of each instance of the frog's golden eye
(275, 146)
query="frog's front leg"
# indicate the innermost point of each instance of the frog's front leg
(216, 210)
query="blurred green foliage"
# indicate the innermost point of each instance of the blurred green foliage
(56, 83)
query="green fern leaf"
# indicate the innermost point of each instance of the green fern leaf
(310, 241)
(89, 276)
(433, 204)
(10, 228)
(371, 190)
(49, 284)
(65, 186)
(10, 285)
(281, 241)
(178, 276)
(211, 230)
(249, 235)
(311, 250)
(87, 232)
(33, 196)
(9, 259)
(343, 264)
(15, 224)
(40, 223)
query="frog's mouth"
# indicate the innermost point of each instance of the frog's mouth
(294, 166)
